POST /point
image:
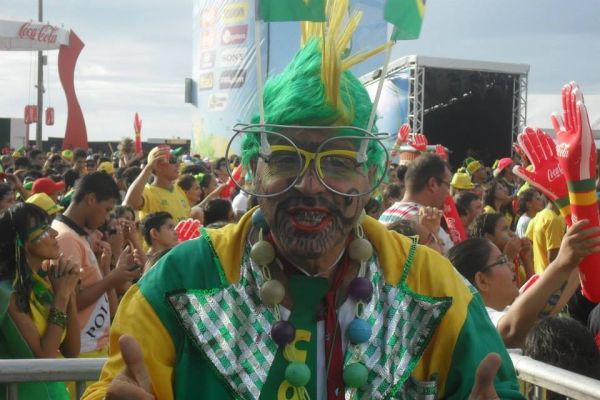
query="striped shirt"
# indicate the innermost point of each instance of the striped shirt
(400, 210)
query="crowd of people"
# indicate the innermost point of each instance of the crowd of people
(334, 274)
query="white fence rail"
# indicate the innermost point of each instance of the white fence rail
(535, 377)
(80, 370)
(540, 377)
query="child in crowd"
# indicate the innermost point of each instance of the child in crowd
(158, 230)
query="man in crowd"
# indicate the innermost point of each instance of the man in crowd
(469, 206)
(163, 194)
(158, 231)
(37, 158)
(545, 231)
(94, 198)
(214, 316)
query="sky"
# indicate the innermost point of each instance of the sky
(138, 53)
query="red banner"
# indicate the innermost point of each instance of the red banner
(455, 226)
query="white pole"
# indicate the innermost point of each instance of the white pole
(388, 55)
(259, 73)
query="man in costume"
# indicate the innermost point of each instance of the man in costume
(306, 298)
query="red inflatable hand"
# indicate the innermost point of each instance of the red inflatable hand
(419, 142)
(402, 137)
(577, 156)
(453, 221)
(188, 229)
(519, 151)
(546, 176)
(441, 151)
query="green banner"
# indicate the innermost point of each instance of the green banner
(292, 10)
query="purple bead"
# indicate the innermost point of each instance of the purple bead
(361, 289)
(283, 333)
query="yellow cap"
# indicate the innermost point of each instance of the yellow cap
(45, 202)
(460, 180)
(107, 167)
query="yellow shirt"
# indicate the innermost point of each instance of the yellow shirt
(173, 201)
(546, 231)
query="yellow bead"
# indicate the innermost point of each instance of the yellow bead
(360, 250)
(262, 253)
(272, 293)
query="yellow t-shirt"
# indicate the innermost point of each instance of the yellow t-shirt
(546, 231)
(173, 201)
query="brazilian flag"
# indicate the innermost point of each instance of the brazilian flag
(292, 10)
(406, 16)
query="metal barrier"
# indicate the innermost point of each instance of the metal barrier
(537, 377)
(79, 370)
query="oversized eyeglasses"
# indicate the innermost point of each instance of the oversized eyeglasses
(278, 163)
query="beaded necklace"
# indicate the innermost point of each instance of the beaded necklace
(283, 333)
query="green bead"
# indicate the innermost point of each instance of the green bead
(360, 250)
(355, 375)
(262, 253)
(297, 374)
(272, 293)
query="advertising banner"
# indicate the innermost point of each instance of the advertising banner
(27, 36)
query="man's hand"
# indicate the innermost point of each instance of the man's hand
(483, 389)
(126, 270)
(134, 382)
(157, 155)
(546, 176)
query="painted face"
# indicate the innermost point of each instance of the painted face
(500, 273)
(309, 222)
(44, 246)
(166, 235)
(502, 234)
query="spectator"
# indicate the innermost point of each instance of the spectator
(48, 186)
(496, 198)
(7, 196)
(220, 170)
(469, 207)
(162, 194)
(94, 198)
(545, 231)
(107, 167)
(39, 316)
(127, 156)
(191, 188)
(125, 212)
(210, 189)
(391, 194)
(530, 203)
(476, 170)
(461, 181)
(90, 164)
(78, 168)
(158, 230)
(217, 213)
(37, 158)
(491, 272)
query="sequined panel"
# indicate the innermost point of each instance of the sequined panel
(402, 323)
(232, 328)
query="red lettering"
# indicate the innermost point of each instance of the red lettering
(44, 34)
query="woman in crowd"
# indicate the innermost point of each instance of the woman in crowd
(39, 315)
(209, 189)
(530, 203)
(191, 188)
(494, 228)
(496, 198)
(483, 264)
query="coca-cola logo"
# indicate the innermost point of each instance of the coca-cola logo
(553, 173)
(562, 150)
(39, 33)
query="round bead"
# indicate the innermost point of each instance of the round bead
(360, 250)
(283, 333)
(262, 253)
(259, 222)
(355, 375)
(297, 374)
(359, 331)
(272, 292)
(361, 289)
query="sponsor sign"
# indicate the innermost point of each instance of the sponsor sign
(231, 58)
(208, 17)
(16, 35)
(206, 81)
(207, 59)
(218, 101)
(235, 13)
(208, 38)
(236, 34)
(232, 79)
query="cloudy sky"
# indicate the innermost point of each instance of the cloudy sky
(138, 54)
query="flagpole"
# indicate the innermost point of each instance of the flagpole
(384, 70)
(259, 73)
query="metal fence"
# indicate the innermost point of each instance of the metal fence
(80, 370)
(536, 378)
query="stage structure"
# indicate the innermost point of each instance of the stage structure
(34, 36)
(468, 106)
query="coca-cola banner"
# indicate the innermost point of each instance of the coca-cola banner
(27, 36)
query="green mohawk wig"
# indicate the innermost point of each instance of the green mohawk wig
(316, 88)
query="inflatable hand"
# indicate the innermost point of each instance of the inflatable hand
(546, 175)
(402, 137)
(419, 142)
(188, 229)
(441, 151)
(522, 156)
(577, 157)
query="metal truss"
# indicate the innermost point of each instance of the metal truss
(416, 95)
(519, 108)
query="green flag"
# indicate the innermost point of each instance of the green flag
(406, 16)
(292, 10)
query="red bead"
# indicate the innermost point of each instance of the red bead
(283, 333)
(361, 289)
